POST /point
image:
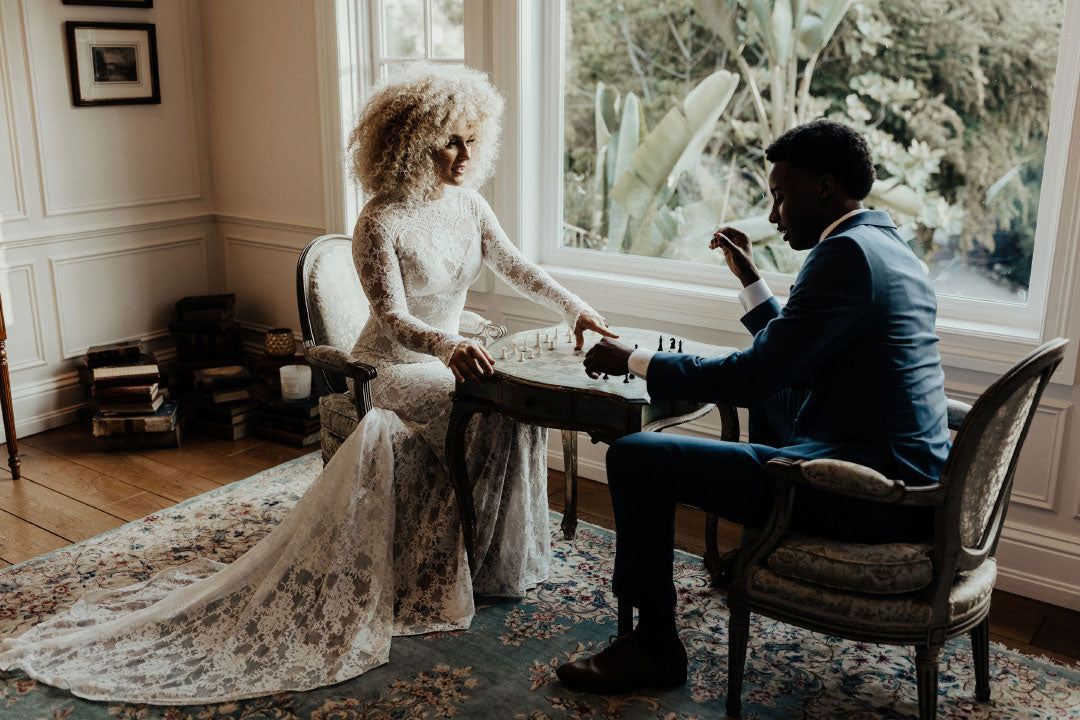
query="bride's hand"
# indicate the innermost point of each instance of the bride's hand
(471, 361)
(590, 321)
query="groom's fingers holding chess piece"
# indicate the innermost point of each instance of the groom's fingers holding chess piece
(735, 244)
(607, 356)
(589, 321)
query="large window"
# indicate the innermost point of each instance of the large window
(407, 30)
(669, 104)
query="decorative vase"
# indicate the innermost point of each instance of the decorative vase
(280, 342)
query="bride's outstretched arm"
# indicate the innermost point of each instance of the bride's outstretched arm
(380, 274)
(524, 275)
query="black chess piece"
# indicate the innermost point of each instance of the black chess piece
(630, 375)
(626, 378)
(672, 345)
(660, 345)
(605, 376)
(680, 346)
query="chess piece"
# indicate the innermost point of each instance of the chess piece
(630, 375)
(531, 356)
(626, 378)
(502, 355)
(556, 333)
(680, 346)
(660, 344)
(605, 376)
(521, 356)
(547, 338)
(537, 340)
(539, 351)
(672, 345)
(551, 346)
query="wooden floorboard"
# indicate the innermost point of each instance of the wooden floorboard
(21, 540)
(72, 490)
(146, 473)
(89, 486)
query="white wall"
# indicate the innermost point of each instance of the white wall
(105, 210)
(265, 140)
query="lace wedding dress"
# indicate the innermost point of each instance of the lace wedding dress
(373, 548)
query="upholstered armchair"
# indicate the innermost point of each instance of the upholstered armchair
(333, 310)
(898, 593)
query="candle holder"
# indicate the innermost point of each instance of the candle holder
(280, 342)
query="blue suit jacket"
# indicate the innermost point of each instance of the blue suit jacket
(858, 332)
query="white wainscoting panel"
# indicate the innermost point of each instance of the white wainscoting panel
(113, 295)
(263, 276)
(12, 197)
(83, 162)
(22, 318)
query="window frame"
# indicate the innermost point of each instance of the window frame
(975, 334)
(519, 43)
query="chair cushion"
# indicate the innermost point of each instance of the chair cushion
(337, 413)
(889, 568)
(969, 596)
(329, 443)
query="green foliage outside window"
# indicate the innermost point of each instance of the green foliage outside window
(954, 98)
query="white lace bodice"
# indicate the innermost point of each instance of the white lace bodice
(416, 264)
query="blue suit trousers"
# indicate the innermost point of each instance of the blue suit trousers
(648, 473)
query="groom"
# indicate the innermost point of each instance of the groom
(847, 369)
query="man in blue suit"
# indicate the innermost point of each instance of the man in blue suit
(847, 369)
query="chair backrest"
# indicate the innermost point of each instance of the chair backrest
(978, 474)
(332, 304)
(333, 307)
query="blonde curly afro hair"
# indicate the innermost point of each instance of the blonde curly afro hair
(411, 114)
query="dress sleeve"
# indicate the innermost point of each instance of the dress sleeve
(379, 269)
(525, 276)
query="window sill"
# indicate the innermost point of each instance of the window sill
(964, 344)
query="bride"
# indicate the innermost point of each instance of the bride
(373, 549)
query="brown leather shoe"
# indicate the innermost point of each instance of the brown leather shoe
(632, 662)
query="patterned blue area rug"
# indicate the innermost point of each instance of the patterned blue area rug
(503, 667)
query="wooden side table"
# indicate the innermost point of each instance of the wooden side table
(5, 402)
(553, 391)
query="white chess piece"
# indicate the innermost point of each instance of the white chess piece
(531, 356)
(502, 355)
(556, 333)
(521, 356)
(547, 338)
(551, 345)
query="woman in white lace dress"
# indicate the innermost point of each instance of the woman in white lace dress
(373, 549)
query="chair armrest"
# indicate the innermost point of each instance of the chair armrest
(957, 411)
(330, 358)
(490, 331)
(850, 479)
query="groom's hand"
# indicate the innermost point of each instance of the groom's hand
(607, 356)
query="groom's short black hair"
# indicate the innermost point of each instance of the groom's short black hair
(827, 147)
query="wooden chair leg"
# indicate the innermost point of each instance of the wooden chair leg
(738, 637)
(980, 650)
(926, 675)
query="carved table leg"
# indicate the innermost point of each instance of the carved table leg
(460, 415)
(5, 407)
(729, 431)
(569, 451)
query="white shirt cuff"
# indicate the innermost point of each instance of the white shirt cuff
(638, 361)
(754, 294)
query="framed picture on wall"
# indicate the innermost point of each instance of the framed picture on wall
(113, 3)
(112, 63)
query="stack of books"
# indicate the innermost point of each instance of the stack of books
(292, 422)
(130, 409)
(222, 406)
(206, 332)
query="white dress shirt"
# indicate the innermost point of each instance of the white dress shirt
(750, 296)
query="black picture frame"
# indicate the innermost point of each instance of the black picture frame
(113, 3)
(118, 69)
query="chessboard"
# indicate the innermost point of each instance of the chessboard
(546, 356)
